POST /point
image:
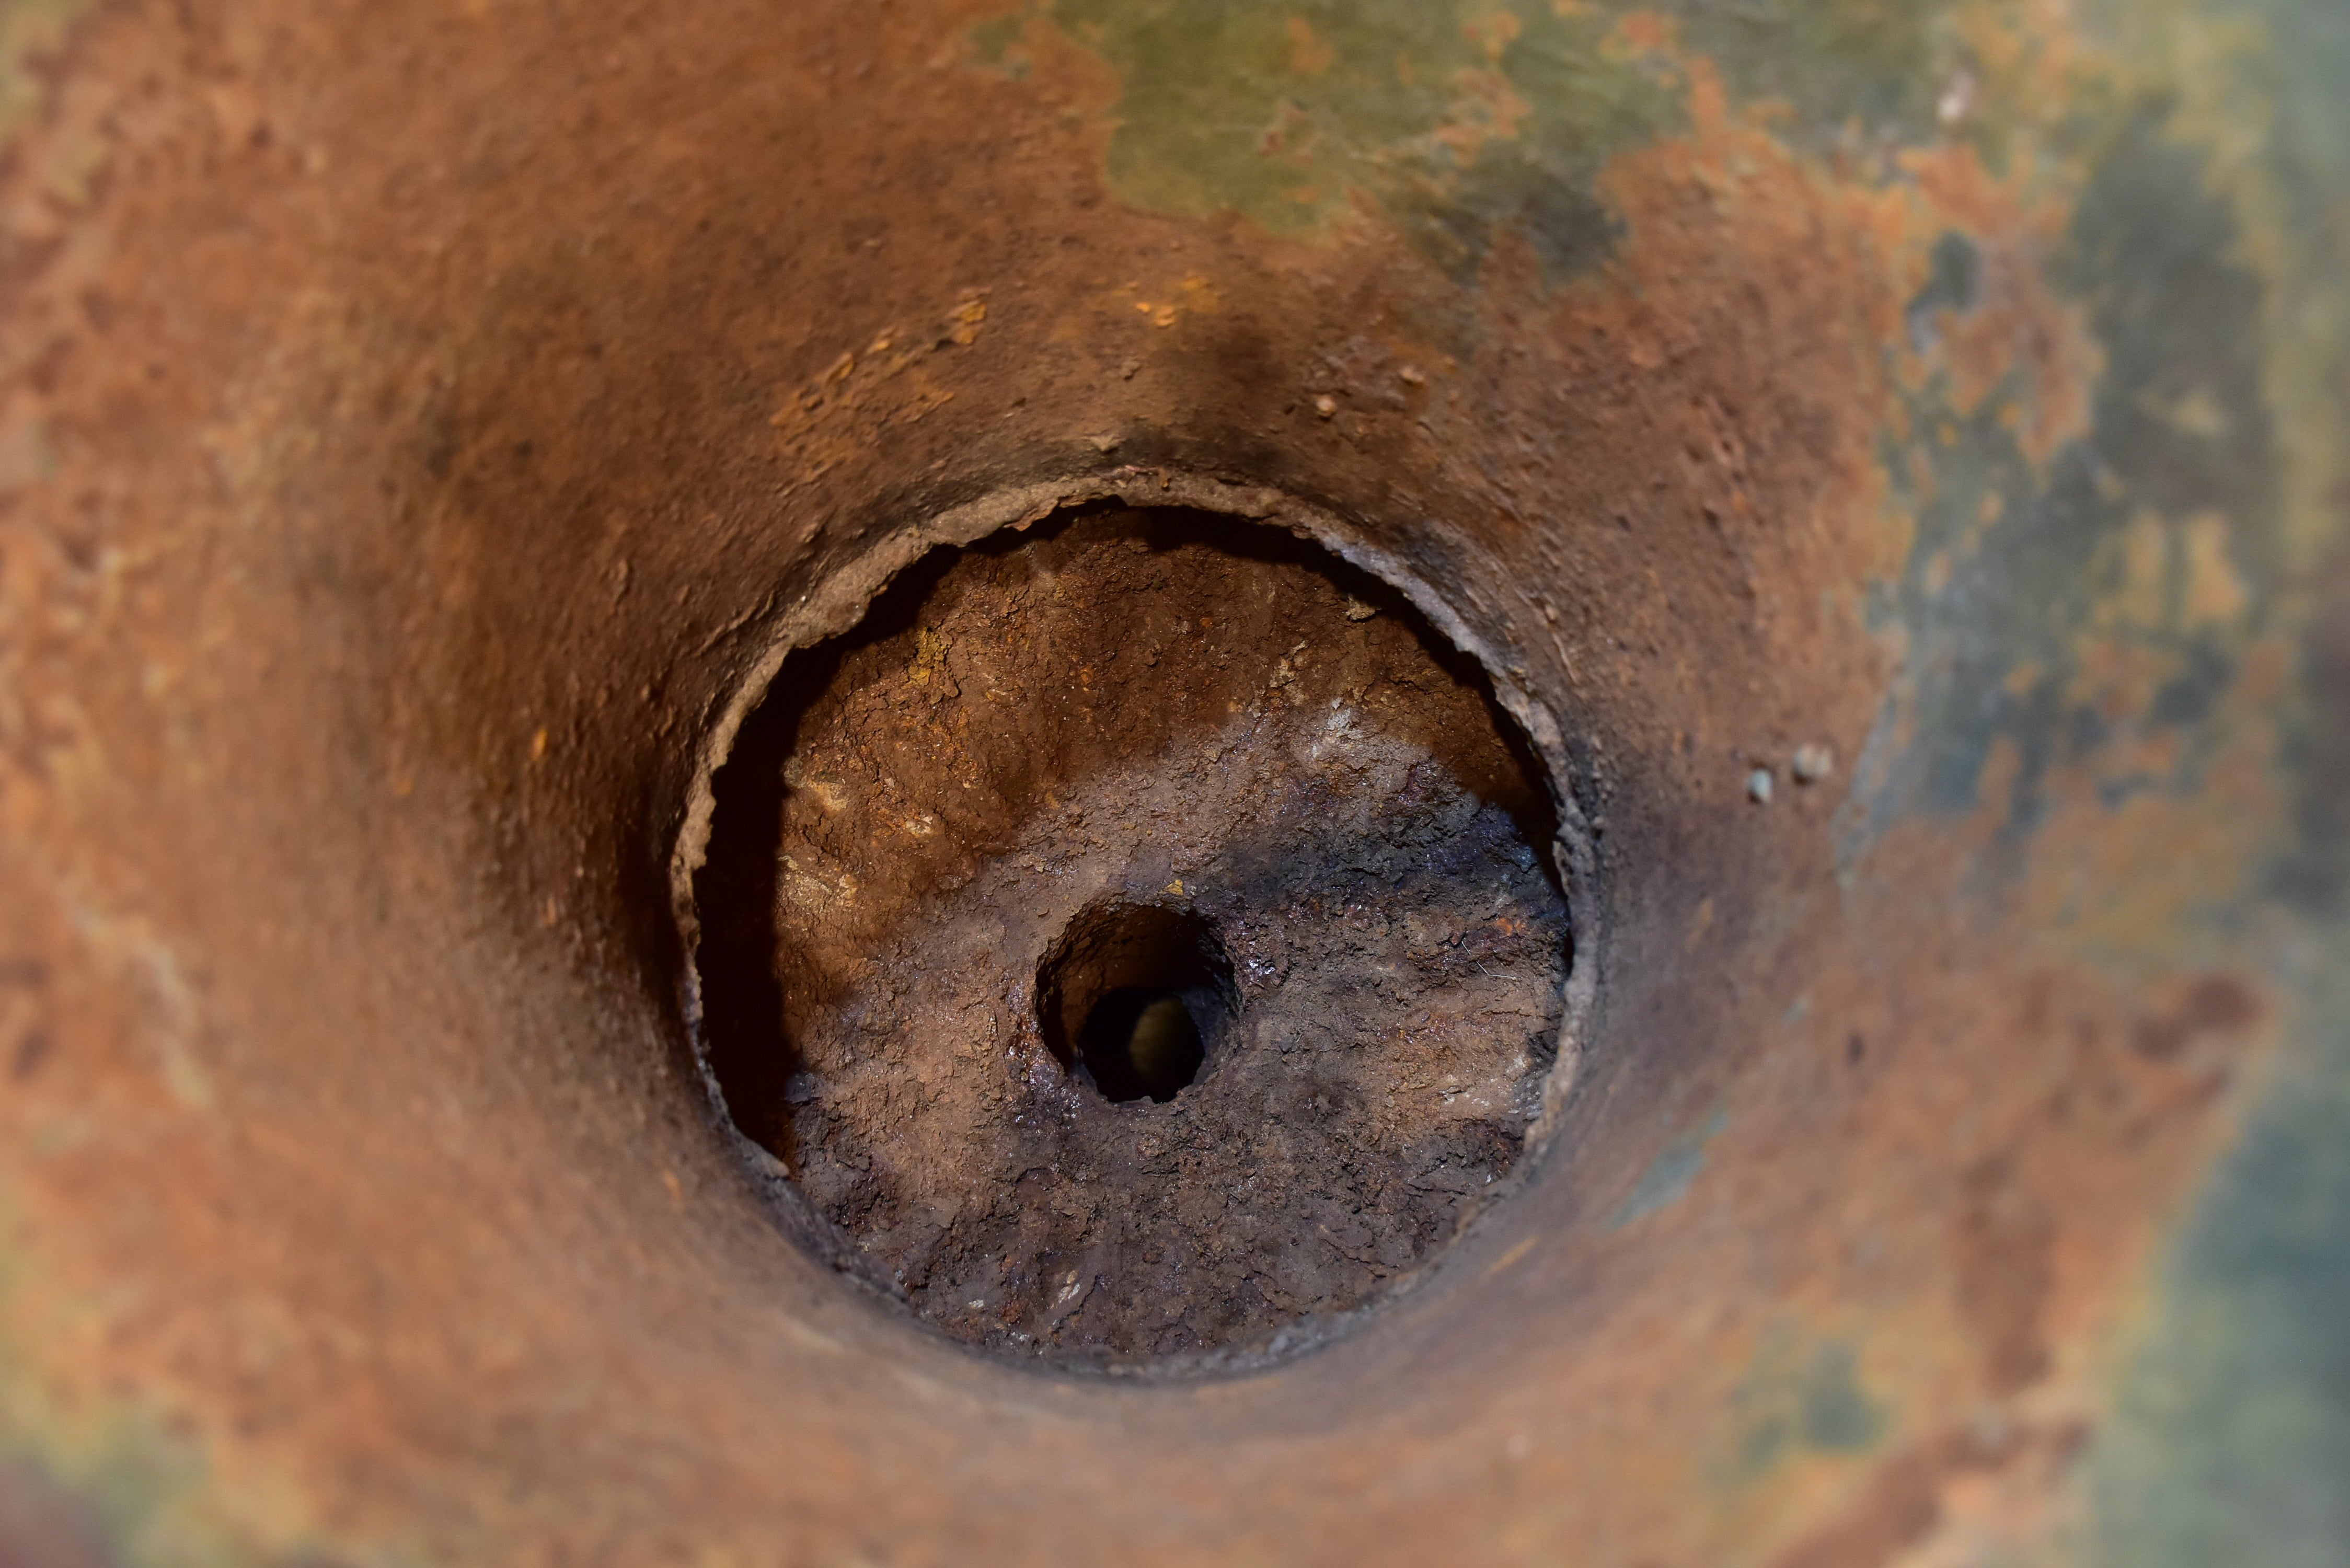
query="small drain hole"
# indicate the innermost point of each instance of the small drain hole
(1134, 999)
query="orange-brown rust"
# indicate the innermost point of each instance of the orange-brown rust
(409, 506)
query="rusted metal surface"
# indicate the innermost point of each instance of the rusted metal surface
(1161, 755)
(421, 426)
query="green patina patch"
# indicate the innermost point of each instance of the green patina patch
(122, 1480)
(998, 42)
(1798, 1398)
(1863, 71)
(1466, 119)
(1459, 121)
(29, 30)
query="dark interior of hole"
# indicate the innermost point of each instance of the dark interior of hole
(742, 999)
(1133, 998)
(1138, 1042)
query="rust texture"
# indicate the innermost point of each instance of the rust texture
(1137, 756)
(425, 430)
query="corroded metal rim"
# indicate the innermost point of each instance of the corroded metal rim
(837, 601)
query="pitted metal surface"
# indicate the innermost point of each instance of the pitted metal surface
(424, 429)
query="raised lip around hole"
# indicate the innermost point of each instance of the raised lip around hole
(835, 598)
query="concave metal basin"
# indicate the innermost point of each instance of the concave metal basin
(1885, 461)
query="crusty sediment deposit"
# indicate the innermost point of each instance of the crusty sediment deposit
(1145, 718)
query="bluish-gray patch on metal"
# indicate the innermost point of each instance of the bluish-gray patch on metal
(1669, 1175)
(2154, 259)
(2231, 1438)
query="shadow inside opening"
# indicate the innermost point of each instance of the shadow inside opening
(1131, 997)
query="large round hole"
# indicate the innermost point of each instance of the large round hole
(1131, 998)
(1136, 940)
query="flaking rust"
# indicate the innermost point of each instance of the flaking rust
(1166, 726)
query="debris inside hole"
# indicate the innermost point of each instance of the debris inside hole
(1135, 953)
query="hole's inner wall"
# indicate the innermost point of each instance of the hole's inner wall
(1129, 757)
(1105, 992)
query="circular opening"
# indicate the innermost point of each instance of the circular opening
(1139, 1040)
(1135, 943)
(1131, 997)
